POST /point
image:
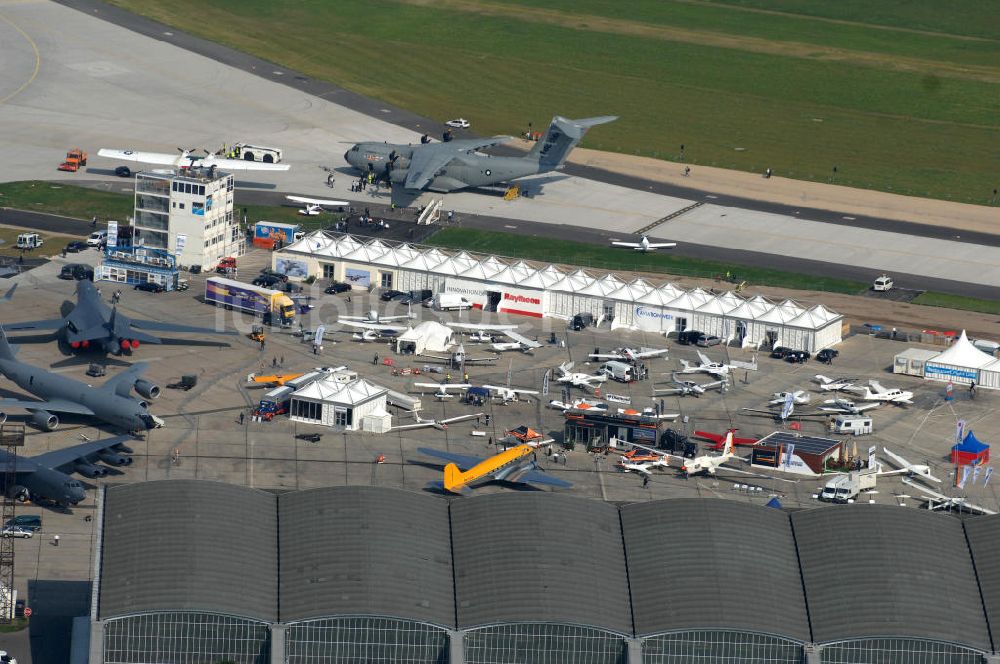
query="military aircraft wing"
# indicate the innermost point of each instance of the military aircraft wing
(57, 405)
(48, 324)
(472, 144)
(463, 461)
(427, 161)
(59, 459)
(538, 477)
(123, 382)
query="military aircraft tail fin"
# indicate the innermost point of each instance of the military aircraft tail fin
(563, 135)
(7, 350)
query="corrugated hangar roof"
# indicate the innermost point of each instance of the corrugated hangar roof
(881, 570)
(708, 563)
(173, 544)
(365, 550)
(983, 533)
(539, 557)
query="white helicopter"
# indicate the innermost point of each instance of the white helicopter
(644, 245)
(315, 206)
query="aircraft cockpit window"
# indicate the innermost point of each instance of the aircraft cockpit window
(74, 485)
(355, 148)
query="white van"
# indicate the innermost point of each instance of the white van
(987, 346)
(29, 241)
(450, 302)
(883, 283)
(97, 238)
(623, 373)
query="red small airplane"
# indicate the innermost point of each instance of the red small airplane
(719, 439)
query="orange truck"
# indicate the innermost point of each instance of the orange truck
(75, 158)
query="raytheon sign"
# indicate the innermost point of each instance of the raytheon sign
(526, 303)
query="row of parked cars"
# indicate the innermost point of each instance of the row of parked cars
(798, 356)
(697, 338)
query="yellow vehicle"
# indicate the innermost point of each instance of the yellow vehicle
(257, 334)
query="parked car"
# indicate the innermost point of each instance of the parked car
(337, 287)
(76, 246)
(123, 172)
(458, 123)
(32, 522)
(779, 352)
(707, 340)
(97, 238)
(392, 295)
(266, 280)
(16, 531)
(826, 355)
(417, 296)
(582, 321)
(150, 287)
(688, 337)
(797, 356)
(78, 271)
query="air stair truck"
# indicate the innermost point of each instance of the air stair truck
(845, 488)
(273, 306)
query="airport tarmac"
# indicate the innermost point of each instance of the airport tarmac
(203, 439)
(125, 87)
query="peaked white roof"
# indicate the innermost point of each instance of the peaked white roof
(400, 255)
(814, 318)
(485, 269)
(690, 300)
(609, 283)
(518, 274)
(662, 295)
(962, 353)
(792, 307)
(550, 274)
(730, 300)
(632, 291)
(329, 389)
(367, 253)
(714, 306)
(574, 282)
(778, 315)
(425, 261)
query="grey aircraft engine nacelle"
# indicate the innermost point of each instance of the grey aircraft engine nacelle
(19, 493)
(147, 389)
(45, 420)
(398, 175)
(114, 459)
(90, 470)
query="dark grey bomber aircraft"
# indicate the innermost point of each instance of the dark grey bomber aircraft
(112, 402)
(457, 165)
(93, 325)
(46, 476)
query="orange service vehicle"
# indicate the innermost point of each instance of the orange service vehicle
(75, 158)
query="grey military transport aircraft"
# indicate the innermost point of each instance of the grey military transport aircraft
(453, 165)
(111, 403)
(93, 325)
(47, 476)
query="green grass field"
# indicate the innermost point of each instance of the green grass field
(902, 95)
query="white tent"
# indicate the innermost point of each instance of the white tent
(550, 274)
(332, 402)
(428, 335)
(960, 363)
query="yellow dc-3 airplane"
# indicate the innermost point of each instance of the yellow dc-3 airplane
(517, 464)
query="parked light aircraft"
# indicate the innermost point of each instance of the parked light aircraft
(907, 468)
(47, 476)
(847, 406)
(937, 500)
(518, 465)
(702, 464)
(645, 245)
(481, 332)
(706, 365)
(578, 379)
(799, 397)
(314, 206)
(506, 393)
(833, 384)
(375, 317)
(208, 160)
(629, 354)
(719, 440)
(459, 357)
(441, 389)
(93, 325)
(579, 404)
(272, 380)
(111, 402)
(874, 391)
(458, 164)
(440, 425)
(686, 387)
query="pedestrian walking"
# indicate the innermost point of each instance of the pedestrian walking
(687, 171)
(282, 360)
(375, 359)
(645, 480)
(274, 362)
(262, 344)
(329, 179)
(241, 418)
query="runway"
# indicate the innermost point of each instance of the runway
(149, 87)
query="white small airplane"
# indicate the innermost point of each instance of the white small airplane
(375, 317)
(717, 369)
(937, 500)
(459, 357)
(847, 406)
(907, 468)
(833, 384)
(799, 397)
(314, 206)
(209, 160)
(644, 245)
(874, 391)
(441, 389)
(703, 464)
(506, 393)
(578, 379)
(441, 425)
(629, 354)
(482, 332)
(686, 387)
(373, 331)
(626, 464)
(584, 404)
